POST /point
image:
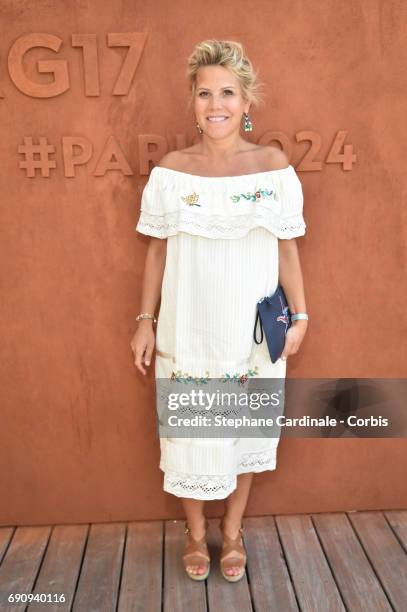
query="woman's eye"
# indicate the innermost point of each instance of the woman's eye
(203, 93)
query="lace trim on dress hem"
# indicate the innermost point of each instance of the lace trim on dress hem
(170, 224)
(203, 486)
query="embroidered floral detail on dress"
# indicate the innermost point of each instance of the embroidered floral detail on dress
(254, 196)
(241, 378)
(185, 377)
(178, 376)
(191, 199)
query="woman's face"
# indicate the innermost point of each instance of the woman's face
(218, 94)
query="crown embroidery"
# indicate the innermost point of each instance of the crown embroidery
(254, 196)
(191, 200)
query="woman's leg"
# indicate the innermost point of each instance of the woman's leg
(235, 507)
(194, 512)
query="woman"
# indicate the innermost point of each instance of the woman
(223, 216)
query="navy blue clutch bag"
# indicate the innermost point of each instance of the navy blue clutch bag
(275, 319)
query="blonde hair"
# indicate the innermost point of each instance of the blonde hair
(231, 55)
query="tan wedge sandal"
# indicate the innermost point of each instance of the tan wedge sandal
(233, 555)
(196, 553)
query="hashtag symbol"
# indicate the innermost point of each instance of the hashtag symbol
(43, 150)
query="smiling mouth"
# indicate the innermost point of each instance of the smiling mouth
(218, 119)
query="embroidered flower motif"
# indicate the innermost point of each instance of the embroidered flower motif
(254, 196)
(191, 199)
(284, 317)
(178, 376)
(240, 378)
(185, 377)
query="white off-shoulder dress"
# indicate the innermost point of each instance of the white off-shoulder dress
(222, 257)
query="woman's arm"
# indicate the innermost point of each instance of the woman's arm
(290, 278)
(153, 274)
(143, 340)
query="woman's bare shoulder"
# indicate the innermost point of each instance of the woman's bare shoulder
(274, 158)
(265, 157)
(170, 160)
(176, 160)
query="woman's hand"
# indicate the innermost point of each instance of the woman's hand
(294, 336)
(142, 344)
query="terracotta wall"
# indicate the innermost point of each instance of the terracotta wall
(98, 89)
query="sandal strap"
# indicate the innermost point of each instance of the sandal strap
(233, 552)
(196, 549)
(232, 541)
(236, 548)
(195, 558)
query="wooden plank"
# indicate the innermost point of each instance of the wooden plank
(270, 582)
(180, 591)
(142, 569)
(20, 564)
(224, 595)
(60, 568)
(30, 556)
(312, 579)
(357, 581)
(398, 522)
(6, 533)
(100, 575)
(385, 554)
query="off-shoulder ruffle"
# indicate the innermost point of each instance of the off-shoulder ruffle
(222, 207)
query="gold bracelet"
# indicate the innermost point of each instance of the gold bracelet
(146, 315)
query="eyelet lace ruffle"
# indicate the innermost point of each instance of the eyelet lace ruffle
(208, 487)
(218, 226)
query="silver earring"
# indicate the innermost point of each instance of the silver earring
(248, 125)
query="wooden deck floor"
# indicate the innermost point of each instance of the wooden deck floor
(315, 563)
